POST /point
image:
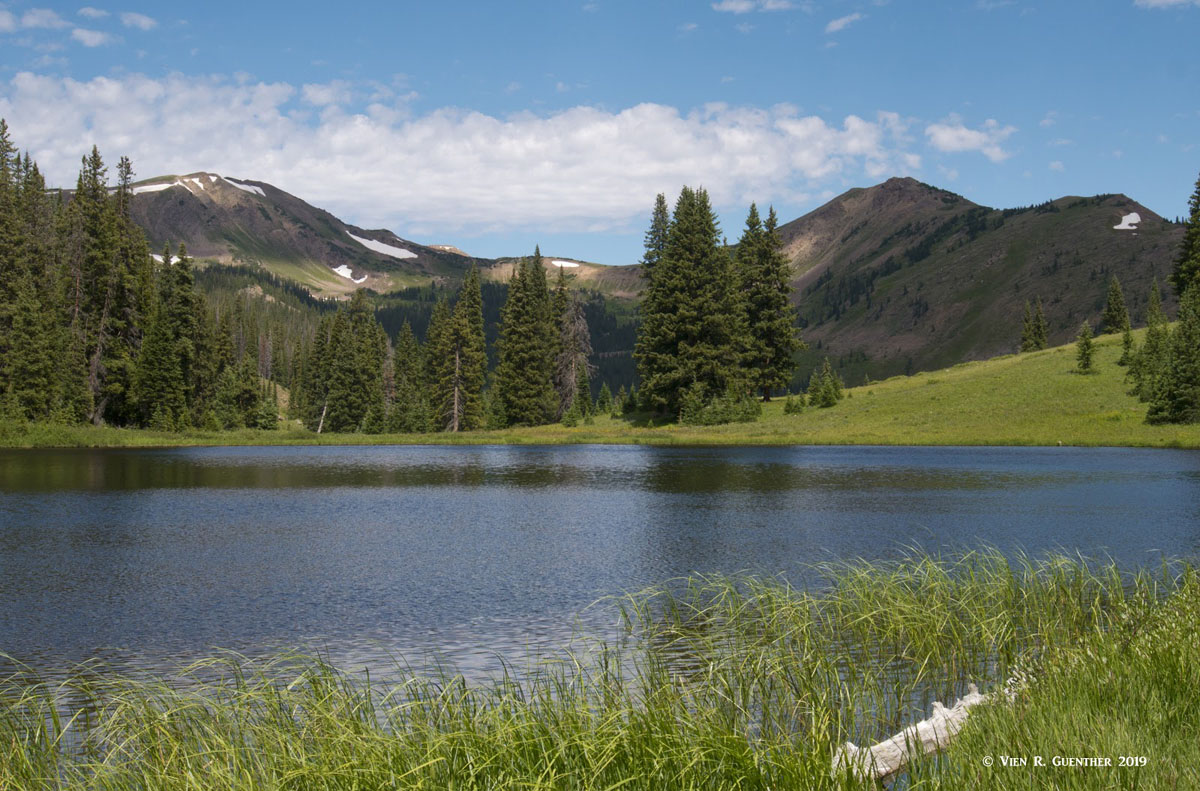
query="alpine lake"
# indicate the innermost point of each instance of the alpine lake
(476, 556)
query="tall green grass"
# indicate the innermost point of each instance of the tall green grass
(717, 683)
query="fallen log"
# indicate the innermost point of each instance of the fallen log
(886, 759)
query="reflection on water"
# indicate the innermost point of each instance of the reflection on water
(145, 556)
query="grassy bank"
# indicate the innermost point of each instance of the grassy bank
(1028, 399)
(723, 683)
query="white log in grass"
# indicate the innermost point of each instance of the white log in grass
(886, 759)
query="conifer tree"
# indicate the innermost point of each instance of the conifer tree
(1127, 347)
(1187, 263)
(1116, 316)
(1085, 349)
(524, 375)
(409, 411)
(1027, 339)
(688, 338)
(357, 349)
(1041, 333)
(1176, 399)
(768, 336)
(604, 401)
(656, 237)
(459, 392)
(1149, 362)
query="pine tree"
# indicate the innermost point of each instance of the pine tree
(357, 349)
(768, 336)
(619, 402)
(1176, 399)
(1149, 362)
(656, 237)
(1187, 262)
(1027, 341)
(1127, 347)
(604, 401)
(1041, 333)
(688, 338)
(409, 412)
(524, 375)
(1116, 316)
(1085, 349)
(459, 391)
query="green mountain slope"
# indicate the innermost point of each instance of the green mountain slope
(903, 276)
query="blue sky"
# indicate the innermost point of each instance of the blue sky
(493, 126)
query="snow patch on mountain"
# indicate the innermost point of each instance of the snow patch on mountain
(564, 264)
(380, 247)
(246, 187)
(138, 190)
(1129, 222)
(348, 273)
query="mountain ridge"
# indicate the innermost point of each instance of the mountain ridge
(891, 278)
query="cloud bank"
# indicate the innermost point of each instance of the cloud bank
(579, 169)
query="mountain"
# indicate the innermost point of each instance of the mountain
(903, 276)
(894, 278)
(238, 221)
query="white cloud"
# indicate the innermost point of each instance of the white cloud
(583, 168)
(843, 22)
(953, 137)
(322, 94)
(140, 21)
(92, 13)
(688, 27)
(743, 27)
(1057, 166)
(1164, 3)
(746, 6)
(1049, 120)
(42, 18)
(91, 38)
(8, 22)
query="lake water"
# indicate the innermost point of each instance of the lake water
(149, 557)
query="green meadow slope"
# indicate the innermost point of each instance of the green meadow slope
(1029, 399)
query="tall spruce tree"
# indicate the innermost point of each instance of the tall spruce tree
(1027, 329)
(1149, 362)
(688, 339)
(1041, 332)
(768, 335)
(1176, 397)
(1085, 349)
(458, 396)
(357, 349)
(1116, 316)
(524, 375)
(1187, 263)
(409, 412)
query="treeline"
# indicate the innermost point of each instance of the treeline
(351, 378)
(93, 330)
